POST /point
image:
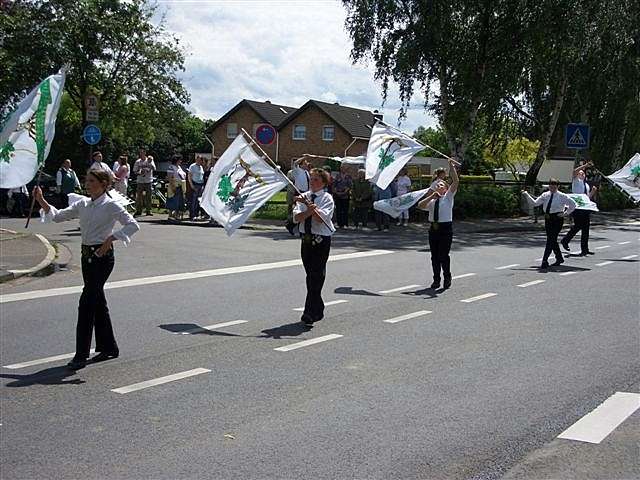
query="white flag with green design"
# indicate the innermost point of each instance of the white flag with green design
(240, 183)
(389, 150)
(26, 136)
(396, 205)
(583, 202)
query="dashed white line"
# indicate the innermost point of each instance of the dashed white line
(306, 343)
(160, 380)
(212, 327)
(623, 243)
(479, 297)
(40, 361)
(602, 264)
(564, 274)
(603, 247)
(629, 257)
(399, 289)
(464, 275)
(408, 316)
(528, 284)
(326, 304)
(597, 425)
(504, 267)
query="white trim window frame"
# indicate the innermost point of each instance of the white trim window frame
(333, 133)
(232, 132)
(299, 132)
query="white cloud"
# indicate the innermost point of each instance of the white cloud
(284, 51)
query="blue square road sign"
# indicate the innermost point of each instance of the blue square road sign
(576, 136)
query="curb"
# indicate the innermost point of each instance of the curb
(44, 264)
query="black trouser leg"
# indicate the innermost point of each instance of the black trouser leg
(314, 259)
(434, 246)
(584, 234)
(342, 212)
(552, 226)
(93, 307)
(446, 238)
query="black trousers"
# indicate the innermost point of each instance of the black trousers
(342, 212)
(314, 259)
(440, 239)
(93, 310)
(581, 223)
(552, 225)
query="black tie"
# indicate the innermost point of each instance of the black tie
(306, 174)
(307, 221)
(549, 204)
(436, 210)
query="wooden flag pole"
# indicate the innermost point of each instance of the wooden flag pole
(33, 199)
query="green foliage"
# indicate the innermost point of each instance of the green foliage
(486, 201)
(475, 178)
(518, 153)
(610, 198)
(434, 137)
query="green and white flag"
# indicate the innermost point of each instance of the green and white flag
(583, 201)
(396, 205)
(240, 183)
(389, 150)
(26, 136)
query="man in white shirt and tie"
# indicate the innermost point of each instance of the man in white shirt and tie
(555, 205)
(581, 218)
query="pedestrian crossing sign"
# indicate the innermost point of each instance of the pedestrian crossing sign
(577, 136)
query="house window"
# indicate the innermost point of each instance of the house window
(232, 130)
(328, 133)
(299, 132)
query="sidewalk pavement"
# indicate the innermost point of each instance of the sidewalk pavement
(32, 254)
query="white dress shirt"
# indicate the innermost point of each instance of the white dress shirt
(301, 178)
(559, 202)
(197, 173)
(578, 186)
(404, 185)
(101, 166)
(445, 207)
(144, 170)
(325, 207)
(97, 219)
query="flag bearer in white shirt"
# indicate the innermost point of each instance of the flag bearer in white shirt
(313, 212)
(581, 218)
(98, 216)
(555, 205)
(439, 204)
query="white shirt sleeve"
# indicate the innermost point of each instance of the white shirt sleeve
(129, 224)
(59, 178)
(569, 203)
(58, 216)
(535, 201)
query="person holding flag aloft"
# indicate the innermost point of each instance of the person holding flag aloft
(313, 212)
(581, 218)
(439, 204)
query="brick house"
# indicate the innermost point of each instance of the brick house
(317, 128)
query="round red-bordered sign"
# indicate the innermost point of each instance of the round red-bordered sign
(265, 134)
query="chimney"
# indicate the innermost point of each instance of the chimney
(377, 115)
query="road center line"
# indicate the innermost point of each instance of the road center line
(40, 361)
(399, 289)
(54, 292)
(629, 257)
(602, 264)
(623, 243)
(603, 247)
(479, 297)
(564, 274)
(306, 343)
(160, 380)
(326, 304)
(464, 275)
(211, 327)
(529, 284)
(598, 424)
(408, 316)
(504, 267)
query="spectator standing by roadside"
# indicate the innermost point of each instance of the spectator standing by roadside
(361, 195)
(403, 186)
(196, 182)
(177, 186)
(300, 171)
(122, 174)
(20, 197)
(143, 168)
(98, 164)
(382, 219)
(66, 182)
(342, 185)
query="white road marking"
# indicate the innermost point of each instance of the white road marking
(408, 316)
(602, 264)
(504, 267)
(538, 259)
(306, 343)
(597, 425)
(326, 304)
(603, 247)
(623, 243)
(160, 380)
(464, 275)
(40, 361)
(564, 274)
(479, 297)
(54, 292)
(211, 327)
(528, 284)
(399, 289)
(629, 257)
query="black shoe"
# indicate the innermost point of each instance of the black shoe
(583, 254)
(591, 253)
(447, 283)
(307, 320)
(544, 265)
(565, 245)
(558, 262)
(103, 356)
(435, 284)
(76, 364)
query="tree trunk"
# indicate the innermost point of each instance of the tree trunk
(617, 150)
(532, 174)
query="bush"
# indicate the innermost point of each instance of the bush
(486, 201)
(475, 178)
(610, 198)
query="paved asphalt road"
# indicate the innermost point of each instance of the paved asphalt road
(460, 389)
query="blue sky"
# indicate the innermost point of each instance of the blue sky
(286, 51)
